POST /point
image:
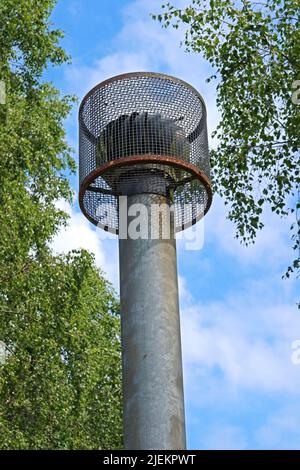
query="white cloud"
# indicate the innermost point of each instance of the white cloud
(235, 348)
(251, 353)
(83, 78)
(282, 429)
(272, 247)
(184, 293)
(246, 338)
(75, 8)
(81, 234)
(224, 437)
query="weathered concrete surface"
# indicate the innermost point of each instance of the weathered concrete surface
(152, 364)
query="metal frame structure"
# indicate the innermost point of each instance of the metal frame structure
(143, 92)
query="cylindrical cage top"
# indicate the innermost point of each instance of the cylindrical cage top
(143, 133)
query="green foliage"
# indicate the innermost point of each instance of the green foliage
(60, 381)
(27, 42)
(254, 48)
(60, 384)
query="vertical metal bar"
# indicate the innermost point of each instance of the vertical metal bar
(151, 345)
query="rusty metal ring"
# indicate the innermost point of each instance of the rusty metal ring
(196, 173)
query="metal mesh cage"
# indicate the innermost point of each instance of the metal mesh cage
(143, 133)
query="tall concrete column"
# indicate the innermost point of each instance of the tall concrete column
(152, 363)
(144, 135)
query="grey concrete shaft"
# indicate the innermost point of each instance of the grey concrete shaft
(151, 345)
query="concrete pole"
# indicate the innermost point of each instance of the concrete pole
(151, 346)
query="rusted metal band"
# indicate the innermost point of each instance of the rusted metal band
(138, 159)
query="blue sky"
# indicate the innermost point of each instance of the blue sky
(239, 318)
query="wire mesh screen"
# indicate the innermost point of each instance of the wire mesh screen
(143, 133)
